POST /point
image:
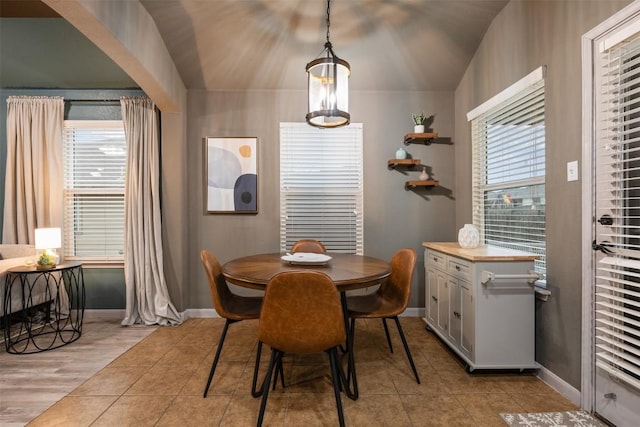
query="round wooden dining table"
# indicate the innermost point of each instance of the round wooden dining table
(348, 272)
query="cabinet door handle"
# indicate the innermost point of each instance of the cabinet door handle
(435, 258)
(434, 298)
(458, 267)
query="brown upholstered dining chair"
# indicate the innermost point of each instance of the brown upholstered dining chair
(309, 246)
(302, 313)
(389, 300)
(232, 307)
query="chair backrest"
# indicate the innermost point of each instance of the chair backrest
(398, 287)
(220, 292)
(309, 246)
(301, 313)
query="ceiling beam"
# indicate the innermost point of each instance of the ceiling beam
(126, 33)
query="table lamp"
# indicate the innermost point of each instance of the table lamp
(49, 239)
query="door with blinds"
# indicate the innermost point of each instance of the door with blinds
(616, 219)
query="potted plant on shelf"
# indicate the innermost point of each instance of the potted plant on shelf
(418, 122)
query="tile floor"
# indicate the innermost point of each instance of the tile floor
(159, 382)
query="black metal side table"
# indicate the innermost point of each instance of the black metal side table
(49, 310)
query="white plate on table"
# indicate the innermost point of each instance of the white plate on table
(306, 258)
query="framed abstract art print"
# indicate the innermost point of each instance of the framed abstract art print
(231, 174)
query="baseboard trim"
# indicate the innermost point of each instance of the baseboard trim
(199, 312)
(120, 314)
(94, 313)
(413, 312)
(560, 385)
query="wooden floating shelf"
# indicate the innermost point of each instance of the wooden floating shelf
(391, 164)
(427, 183)
(420, 138)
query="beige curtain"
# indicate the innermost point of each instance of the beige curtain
(34, 174)
(147, 297)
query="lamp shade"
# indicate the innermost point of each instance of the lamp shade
(48, 238)
(328, 91)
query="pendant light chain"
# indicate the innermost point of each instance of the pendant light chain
(328, 19)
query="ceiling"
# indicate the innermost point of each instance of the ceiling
(397, 45)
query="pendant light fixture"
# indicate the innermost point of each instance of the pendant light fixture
(328, 87)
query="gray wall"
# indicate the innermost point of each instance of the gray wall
(393, 217)
(524, 36)
(32, 42)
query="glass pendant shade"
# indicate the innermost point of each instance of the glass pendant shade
(328, 91)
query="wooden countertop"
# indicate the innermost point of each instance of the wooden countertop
(481, 253)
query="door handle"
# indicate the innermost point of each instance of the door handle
(602, 247)
(606, 220)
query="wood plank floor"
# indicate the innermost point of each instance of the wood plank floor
(159, 382)
(29, 384)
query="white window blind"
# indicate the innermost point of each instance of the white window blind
(509, 170)
(617, 282)
(95, 156)
(321, 186)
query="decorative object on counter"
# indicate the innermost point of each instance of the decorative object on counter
(424, 175)
(469, 236)
(418, 121)
(401, 153)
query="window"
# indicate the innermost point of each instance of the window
(94, 157)
(508, 136)
(321, 186)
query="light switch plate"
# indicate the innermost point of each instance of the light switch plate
(572, 171)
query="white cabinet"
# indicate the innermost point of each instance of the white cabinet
(490, 325)
(431, 294)
(461, 315)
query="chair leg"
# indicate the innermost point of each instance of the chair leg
(217, 356)
(275, 356)
(333, 360)
(278, 371)
(351, 336)
(386, 331)
(351, 383)
(406, 348)
(254, 382)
